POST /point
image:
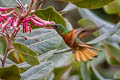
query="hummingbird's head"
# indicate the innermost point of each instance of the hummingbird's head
(58, 27)
(61, 29)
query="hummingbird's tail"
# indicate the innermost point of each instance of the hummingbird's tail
(85, 53)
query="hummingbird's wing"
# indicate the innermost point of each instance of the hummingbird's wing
(82, 32)
(87, 31)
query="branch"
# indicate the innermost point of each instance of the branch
(63, 51)
(1, 60)
(38, 3)
(16, 32)
(29, 10)
(6, 52)
(5, 56)
(4, 35)
(7, 34)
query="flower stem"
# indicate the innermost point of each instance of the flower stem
(1, 60)
(29, 10)
(63, 51)
(38, 3)
(6, 53)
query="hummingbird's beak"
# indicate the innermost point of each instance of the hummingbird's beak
(56, 26)
(50, 27)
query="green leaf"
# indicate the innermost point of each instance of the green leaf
(86, 23)
(1, 4)
(12, 3)
(117, 76)
(29, 55)
(50, 14)
(51, 77)
(118, 1)
(93, 65)
(76, 70)
(112, 8)
(16, 56)
(47, 40)
(62, 59)
(107, 26)
(42, 58)
(84, 71)
(7, 63)
(91, 4)
(110, 59)
(101, 56)
(105, 35)
(112, 54)
(55, 4)
(96, 73)
(71, 0)
(10, 73)
(3, 45)
(38, 72)
(43, 40)
(46, 56)
(59, 72)
(68, 25)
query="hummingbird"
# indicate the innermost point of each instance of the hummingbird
(81, 51)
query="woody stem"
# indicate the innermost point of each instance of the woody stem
(63, 51)
(38, 3)
(6, 53)
(29, 10)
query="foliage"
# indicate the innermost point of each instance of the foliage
(41, 54)
(50, 14)
(11, 72)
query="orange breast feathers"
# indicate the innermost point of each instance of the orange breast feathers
(69, 39)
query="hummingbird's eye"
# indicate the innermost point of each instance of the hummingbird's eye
(56, 26)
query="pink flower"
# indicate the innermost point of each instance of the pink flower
(3, 27)
(36, 21)
(42, 21)
(11, 20)
(29, 27)
(4, 9)
(7, 14)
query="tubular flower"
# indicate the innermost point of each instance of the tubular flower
(11, 20)
(4, 9)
